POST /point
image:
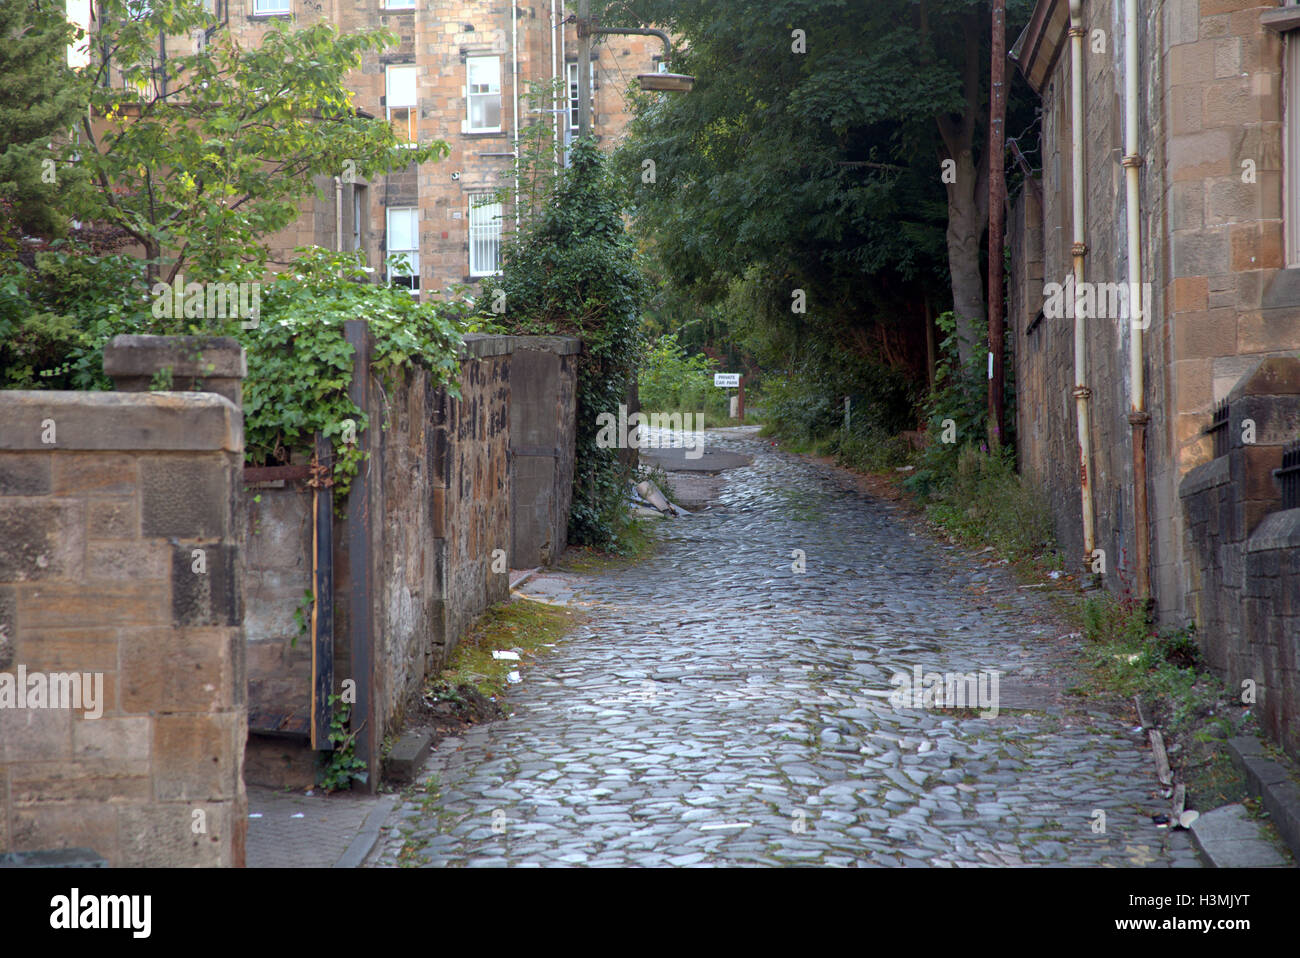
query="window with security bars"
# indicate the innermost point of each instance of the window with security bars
(483, 94)
(484, 235)
(404, 244)
(399, 100)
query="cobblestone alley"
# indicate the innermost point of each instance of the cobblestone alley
(720, 708)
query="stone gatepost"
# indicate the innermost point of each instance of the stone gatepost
(211, 364)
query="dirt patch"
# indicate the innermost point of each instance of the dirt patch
(454, 710)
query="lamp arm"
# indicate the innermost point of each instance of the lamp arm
(636, 32)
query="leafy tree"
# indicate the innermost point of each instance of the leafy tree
(200, 151)
(813, 147)
(39, 103)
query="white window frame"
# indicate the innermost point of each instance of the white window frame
(399, 4)
(271, 7)
(412, 253)
(571, 118)
(401, 101)
(471, 97)
(485, 227)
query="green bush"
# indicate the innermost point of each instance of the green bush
(300, 363)
(671, 380)
(573, 271)
(986, 502)
(873, 450)
(57, 314)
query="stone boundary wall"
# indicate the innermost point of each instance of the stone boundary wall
(441, 501)
(543, 438)
(120, 560)
(1243, 551)
(441, 504)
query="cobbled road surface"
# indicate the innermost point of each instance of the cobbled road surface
(720, 708)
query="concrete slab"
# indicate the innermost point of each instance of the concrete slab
(695, 491)
(676, 460)
(1274, 783)
(1228, 838)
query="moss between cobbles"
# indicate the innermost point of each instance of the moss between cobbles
(521, 626)
(638, 544)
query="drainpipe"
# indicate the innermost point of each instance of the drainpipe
(514, 89)
(1138, 318)
(555, 75)
(338, 214)
(1078, 251)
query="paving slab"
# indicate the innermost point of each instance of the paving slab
(1229, 838)
(296, 830)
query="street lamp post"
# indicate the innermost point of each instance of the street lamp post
(660, 82)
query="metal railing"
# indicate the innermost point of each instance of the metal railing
(1218, 429)
(1288, 476)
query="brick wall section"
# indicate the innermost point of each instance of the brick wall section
(97, 574)
(441, 501)
(277, 579)
(1244, 555)
(1041, 234)
(1272, 611)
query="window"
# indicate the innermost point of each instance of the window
(571, 133)
(404, 241)
(270, 6)
(399, 98)
(573, 95)
(1285, 20)
(484, 235)
(484, 94)
(79, 50)
(399, 4)
(359, 211)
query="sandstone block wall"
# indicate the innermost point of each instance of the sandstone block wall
(120, 560)
(1244, 551)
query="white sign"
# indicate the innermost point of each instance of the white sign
(726, 380)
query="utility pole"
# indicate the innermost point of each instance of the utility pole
(584, 68)
(997, 217)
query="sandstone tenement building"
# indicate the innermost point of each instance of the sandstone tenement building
(1217, 238)
(459, 73)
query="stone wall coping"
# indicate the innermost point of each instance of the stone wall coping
(1279, 530)
(483, 345)
(201, 357)
(103, 421)
(1272, 376)
(562, 345)
(1208, 475)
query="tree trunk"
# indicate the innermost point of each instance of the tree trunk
(967, 202)
(965, 231)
